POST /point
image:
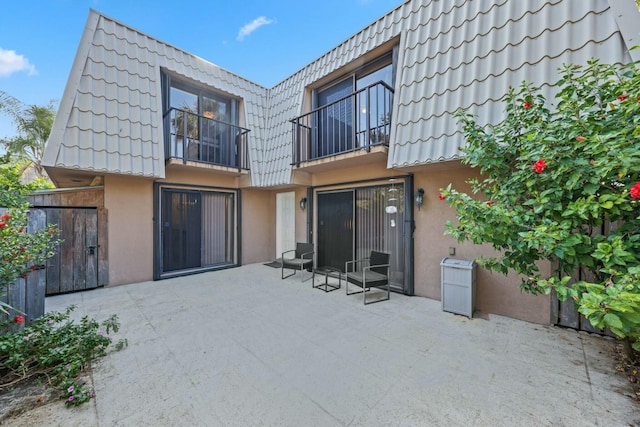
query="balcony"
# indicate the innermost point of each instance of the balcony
(359, 121)
(195, 138)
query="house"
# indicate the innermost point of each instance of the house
(202, 169)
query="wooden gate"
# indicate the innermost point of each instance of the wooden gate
(565, 313)
(74, 267)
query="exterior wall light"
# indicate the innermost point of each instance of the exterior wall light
(303, 203)
(419, 197)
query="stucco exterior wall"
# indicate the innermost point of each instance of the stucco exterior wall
(495, 293)
(199, 176)
(301, 216)
(258, 225)
(129, 202)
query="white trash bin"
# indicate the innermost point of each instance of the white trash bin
(458, 286)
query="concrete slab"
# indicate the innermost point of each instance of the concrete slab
(241, 347)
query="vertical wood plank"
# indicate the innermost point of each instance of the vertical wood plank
(66, 250)
(16, 296)
(103, 247)
(91, 241)
(35, 294)
(53, 263)
(80, 250)
(35, 283)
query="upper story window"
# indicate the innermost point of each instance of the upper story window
(202, 125)
(350, 113)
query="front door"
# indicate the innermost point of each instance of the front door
(335, 229)
(285, 222)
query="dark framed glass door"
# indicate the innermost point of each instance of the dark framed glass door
(335, 229)
(353, 222)
(181, 237)
(196, 232)
(335, 122)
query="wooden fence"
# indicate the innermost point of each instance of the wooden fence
(27, 296)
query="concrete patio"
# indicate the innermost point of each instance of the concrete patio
(241, 347)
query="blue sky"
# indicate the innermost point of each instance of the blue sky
(263, 41)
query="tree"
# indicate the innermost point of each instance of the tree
(561, 183)
(33, 124)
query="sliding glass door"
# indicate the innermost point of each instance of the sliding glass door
(197, 230)
(353, 222)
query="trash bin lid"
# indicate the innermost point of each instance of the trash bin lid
(457, 263)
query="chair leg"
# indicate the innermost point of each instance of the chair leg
(288, 275)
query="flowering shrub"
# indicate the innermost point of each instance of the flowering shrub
(581, 210)
(56, 349)
(539, 166)
(21, 250)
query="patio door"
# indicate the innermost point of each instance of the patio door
(181, 237)
(335, 229)
(351, 223)
(196, 231)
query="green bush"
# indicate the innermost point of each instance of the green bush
(562, 183)
(57, 350)
(21, 250)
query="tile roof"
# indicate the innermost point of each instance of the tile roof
(453, 54)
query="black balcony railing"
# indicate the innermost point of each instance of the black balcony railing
(193, 137)
(357, 121)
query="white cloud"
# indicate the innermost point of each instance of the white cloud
(252, 26)
(11, 62)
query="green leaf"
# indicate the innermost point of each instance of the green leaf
(613, 321)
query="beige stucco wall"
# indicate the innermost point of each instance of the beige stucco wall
(130, 206)
(258, 225)
(199, 176)
(495, 293)
(129, 203)
(301, 216)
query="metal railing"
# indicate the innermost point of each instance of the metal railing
(357, 121)
(193, 137)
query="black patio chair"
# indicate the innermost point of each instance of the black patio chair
(367, 273)
(302, 259)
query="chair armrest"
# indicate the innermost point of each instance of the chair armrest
(355, 261)
(307, 253)
(286, 252)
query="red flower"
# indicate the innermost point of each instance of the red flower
(580, 138)
(623, 97)
(34, 267)
(634, 191)
(526, 105)
(51, 231)
(5, 217)
(489, 203)
(3, 224)
(441, 196)
(18, 319)
(539, 166)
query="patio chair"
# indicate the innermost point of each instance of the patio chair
(367, 273)
(302, 259)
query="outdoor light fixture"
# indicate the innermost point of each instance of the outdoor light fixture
(303, 203)
(419, 197)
